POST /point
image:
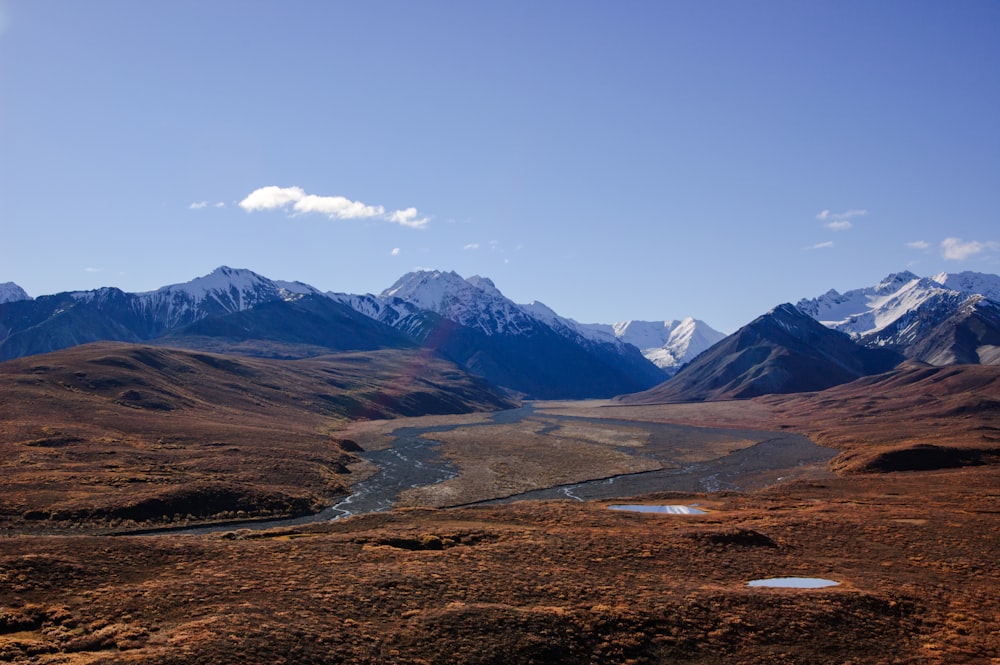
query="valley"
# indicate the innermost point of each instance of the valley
(242, 470)
(447, 574)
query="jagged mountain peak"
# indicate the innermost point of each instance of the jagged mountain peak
(473, 302)
(226, 279)
(895, 281)
(11, 292)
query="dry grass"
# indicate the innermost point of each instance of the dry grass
(558, 582)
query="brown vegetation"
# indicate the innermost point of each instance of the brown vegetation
(535, 582)
(122, 435)
(915, 552)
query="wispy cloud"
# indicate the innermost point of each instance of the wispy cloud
(956, 249)
(198, 205)
(821, 245)
(839, 221)
(472, 245)
(334, 207)
(918, 244)
(395, 251)
(93, 270)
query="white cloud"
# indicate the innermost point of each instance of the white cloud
(334, 207)
(337, 207)
(826, 214)
(220, 204)
(93, 270)
(271, 197)
(395, 251)
(198, 205)
(956, 249)
(918, 244)
(472, 245)
(821, 245)
(409, 218)
(839, 225)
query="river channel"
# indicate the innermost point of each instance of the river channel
(413, 460)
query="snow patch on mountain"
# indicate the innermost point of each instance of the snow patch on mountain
(11, 292)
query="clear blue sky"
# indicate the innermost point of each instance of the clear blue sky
(614, 160)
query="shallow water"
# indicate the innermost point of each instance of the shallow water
(663, 510)
(794, 582)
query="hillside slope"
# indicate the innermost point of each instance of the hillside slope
(118, 432)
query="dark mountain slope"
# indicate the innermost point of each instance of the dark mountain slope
(306, 326)
(783, 351)
(968, 333)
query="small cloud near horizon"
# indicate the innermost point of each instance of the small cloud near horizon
(199, 205)
(956, 249)
(839, 221)
(334, 207)
(918, 244)
(472, 245)
(821, 245)
(395, 251)
(93, 270)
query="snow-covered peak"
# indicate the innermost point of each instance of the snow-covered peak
(895, 281)
(971, 282)
(667, 344)
(870, 310)
(474, 302)
(484, 284)
(11, 292)
(224, 290)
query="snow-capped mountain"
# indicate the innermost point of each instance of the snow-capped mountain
(474, 302)
(667, 344)
(471, 322)
(971, 282)
(48, 323)
(906, 312)
(11, 292)
(224, 290)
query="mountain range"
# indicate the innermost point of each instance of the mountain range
(942, 320)
(467, 321)
(529, 349)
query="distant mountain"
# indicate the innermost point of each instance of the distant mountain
(11, 292)
(50, 323)
(470, 322)
(224, 291)
(944, 319)
(667, 344)
(783, 351)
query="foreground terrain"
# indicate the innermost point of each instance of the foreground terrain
(542, 582)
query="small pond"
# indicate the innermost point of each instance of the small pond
(794, 582)
(662, 510)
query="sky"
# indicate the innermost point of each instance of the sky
(615, 160)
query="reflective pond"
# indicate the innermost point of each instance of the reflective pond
(794, 582)
(663, 510)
